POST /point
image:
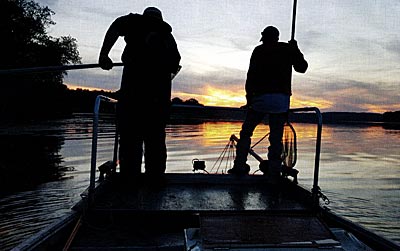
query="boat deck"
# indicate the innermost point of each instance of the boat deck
(229, 212)
(200, 192)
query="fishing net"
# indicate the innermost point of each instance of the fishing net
(289, 152)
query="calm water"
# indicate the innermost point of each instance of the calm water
(359, 168)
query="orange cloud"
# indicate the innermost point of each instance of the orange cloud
(381, 108)
(322, 104)
(213, 96)
(235, 97)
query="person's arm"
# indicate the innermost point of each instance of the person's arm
(250, 80)
(174, 55)
(299, 63)
(110, 38)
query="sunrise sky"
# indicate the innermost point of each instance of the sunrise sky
(352, 47)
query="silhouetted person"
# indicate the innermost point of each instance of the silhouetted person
(150, 57)
(268, 91)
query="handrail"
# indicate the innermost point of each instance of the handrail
(99, 99)
(315, 188)
(29, 70)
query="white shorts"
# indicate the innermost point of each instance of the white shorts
(271, 103)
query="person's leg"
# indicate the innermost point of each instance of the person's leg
(130, 145)
(276, 125)
(155, 155)
(131, 141)
(155, 150)
(251, 121)
(130, 155)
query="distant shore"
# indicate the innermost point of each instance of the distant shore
(214, 113)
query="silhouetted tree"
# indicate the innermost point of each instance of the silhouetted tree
(391, 116)
(25, 43)
(192, 101)
(177, 101)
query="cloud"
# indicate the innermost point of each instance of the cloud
(347, 95)
(393, 46)
(95, 78)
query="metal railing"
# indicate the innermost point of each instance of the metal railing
(99, 99)
(315, 187)
(93, 159)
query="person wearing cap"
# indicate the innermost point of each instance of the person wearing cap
(268, 90)
(150, 57)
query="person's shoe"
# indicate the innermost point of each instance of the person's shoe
(271, 169)
(239, 169)
(274, 172)
(274, 178)
(264, 166)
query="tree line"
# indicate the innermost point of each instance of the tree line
(25, 43)
(82, 101)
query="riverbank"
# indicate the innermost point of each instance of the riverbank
(182, 113)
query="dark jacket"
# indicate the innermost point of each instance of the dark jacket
(149, 43)
(270, 69)
(150, 56)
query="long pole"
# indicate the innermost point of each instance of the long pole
(294, 19)
(52, 68)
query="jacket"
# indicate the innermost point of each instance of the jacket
(150, 57)
(150, 45)
(270, 69)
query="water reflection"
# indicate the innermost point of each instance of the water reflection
(29, 160)
(48, 163)
(359, 169)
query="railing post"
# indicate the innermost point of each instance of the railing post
(116, 143)
(94, 148)
(99, 98)
(93, 161)
(315, 190)
(315, 187)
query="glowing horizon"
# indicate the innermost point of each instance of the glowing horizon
(227, 98)
(76, 87)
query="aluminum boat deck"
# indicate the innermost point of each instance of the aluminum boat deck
(207, 211)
